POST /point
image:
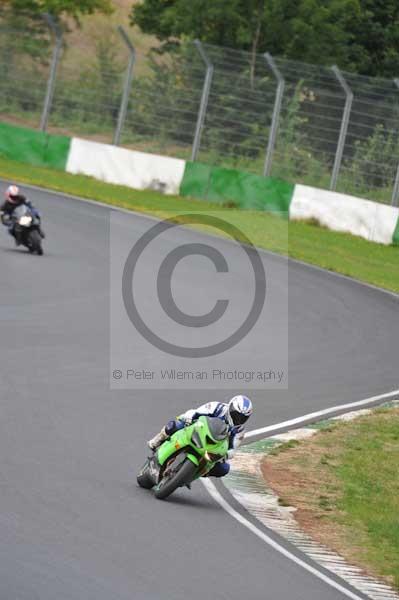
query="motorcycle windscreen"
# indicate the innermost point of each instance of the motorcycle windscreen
(21, 211)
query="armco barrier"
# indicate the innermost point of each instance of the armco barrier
(34, 147)
(371, 220)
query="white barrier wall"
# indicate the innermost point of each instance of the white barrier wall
(125, 167)
(370, 220)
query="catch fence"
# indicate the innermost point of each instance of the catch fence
(268, 115)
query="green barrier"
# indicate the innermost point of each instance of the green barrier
(250, 191)
(395, 239)
(245, 190)
(196, 179)
(34, 147)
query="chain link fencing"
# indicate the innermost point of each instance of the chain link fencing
(299, 122)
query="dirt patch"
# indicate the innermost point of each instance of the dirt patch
(305, 494)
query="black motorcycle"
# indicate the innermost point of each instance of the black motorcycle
(24, 225)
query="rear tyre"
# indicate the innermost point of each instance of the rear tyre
(144, 478)
(169, 484)
(35, 242)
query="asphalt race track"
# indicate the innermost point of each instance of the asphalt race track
(73, 523)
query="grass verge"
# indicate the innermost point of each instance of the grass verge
(340, 252)
(344, 483)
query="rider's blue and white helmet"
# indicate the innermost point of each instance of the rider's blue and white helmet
(240, 409)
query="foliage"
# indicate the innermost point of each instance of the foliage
(232, 23)
(375, 47)
(58, 8)
(374, 162)
(90, 99)
(359, 35)
(160, 106)
(22, 33)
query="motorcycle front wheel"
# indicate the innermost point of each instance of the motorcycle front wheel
(185, 475)
(35, 242)
(144, 478)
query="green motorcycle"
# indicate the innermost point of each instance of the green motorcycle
(188, 454)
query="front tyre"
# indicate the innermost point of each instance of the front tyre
(144, 478)
(35, 242)
(175, 479)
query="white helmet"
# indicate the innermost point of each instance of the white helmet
(11, 192)
(240, 409)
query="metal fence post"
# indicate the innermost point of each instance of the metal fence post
(126, 88)
(204, 100)
(53, 25)
(344, 126)
(395, 192)
(276, 113)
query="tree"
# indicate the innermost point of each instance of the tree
(315, 31)
(360, 35)
(25, 41)
(303, 29)
(376, 38)
(26, 16)
(235, 23)
(59, 8)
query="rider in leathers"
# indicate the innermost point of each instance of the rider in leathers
(14, 198)
(235, 414)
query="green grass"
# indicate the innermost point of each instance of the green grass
(283, 447)
(344, 483)
(343, 253)
(368, 472)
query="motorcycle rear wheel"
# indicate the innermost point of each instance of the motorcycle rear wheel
(183, 476)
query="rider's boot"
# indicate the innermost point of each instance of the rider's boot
(157, 440)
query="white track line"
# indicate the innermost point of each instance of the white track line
(210, 486)
(321, 413)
